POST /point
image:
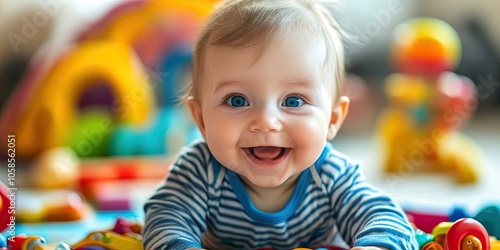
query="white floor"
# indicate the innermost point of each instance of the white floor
(433, 192)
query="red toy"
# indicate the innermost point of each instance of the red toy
(4, 208)
(467, 234)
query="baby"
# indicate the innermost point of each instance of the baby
(266, 94)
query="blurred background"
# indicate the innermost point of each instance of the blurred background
(88, 92)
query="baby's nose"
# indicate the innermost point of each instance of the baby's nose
(266, 119)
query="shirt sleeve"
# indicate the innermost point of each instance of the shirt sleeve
(176, 213)
(366, 217)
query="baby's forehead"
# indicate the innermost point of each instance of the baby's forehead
(270, 44)
(309, 51)
(289, 62)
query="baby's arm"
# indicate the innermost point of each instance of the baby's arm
(368, 218)
(175, 214)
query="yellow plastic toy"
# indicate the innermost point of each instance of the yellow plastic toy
(439, 232)
(49, 114)
(153, 26)
(495, 245)
(136, 22)
(428, 103)
(110, 240)
(41, 114)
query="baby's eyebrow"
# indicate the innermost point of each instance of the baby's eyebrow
(298, 86)
(306, 84)
(303, 84)
(223, 84)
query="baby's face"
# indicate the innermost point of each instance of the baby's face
(266, 115)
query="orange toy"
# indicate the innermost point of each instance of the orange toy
(428, 104)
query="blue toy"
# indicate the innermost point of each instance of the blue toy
(173, 70)
(170, 130)
(489, 216)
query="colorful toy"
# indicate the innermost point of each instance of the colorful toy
(173, 69)
(36, 243)
(3, 242)
(46, 118)
(466, 234)
(423, 238)
(426, 221)
(489, 217)
(428, 104)
(495, 245)
(127, 227)
(112, 184)
(43, 109)
(109, 240)
(152, 27)
(4, 207)
(168, 132)
(50, 206)
(440, 231)
(430, 215)
(90, 135)
(17, 242)
(118, 169)
(55, 168)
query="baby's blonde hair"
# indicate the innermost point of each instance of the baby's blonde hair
(243, 23)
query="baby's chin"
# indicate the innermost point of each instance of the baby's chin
(264, 181)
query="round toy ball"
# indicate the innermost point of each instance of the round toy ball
(55, 168)
(425, 45)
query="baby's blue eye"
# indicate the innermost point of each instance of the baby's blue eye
(292, 101)
(237, 101)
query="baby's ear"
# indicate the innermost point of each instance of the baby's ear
(196, 113)
(339, 113)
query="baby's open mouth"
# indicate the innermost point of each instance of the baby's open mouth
(267, 153)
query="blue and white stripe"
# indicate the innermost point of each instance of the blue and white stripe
(200, 205)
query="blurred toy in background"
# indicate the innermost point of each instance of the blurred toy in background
(35, 206)
(125, 235)
(463, 234)
(45, 109)
(428, 104)
(112, 67)
(151, 28)
(167, 132)
(55, 168)
(489, 216)
(458, 227)
(363, 103)
(5, 212)
(170, 128)
(427, 219)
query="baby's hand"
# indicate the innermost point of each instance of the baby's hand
(368, 248)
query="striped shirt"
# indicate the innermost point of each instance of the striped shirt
(202, 204)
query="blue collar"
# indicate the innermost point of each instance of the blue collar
(293, 204)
